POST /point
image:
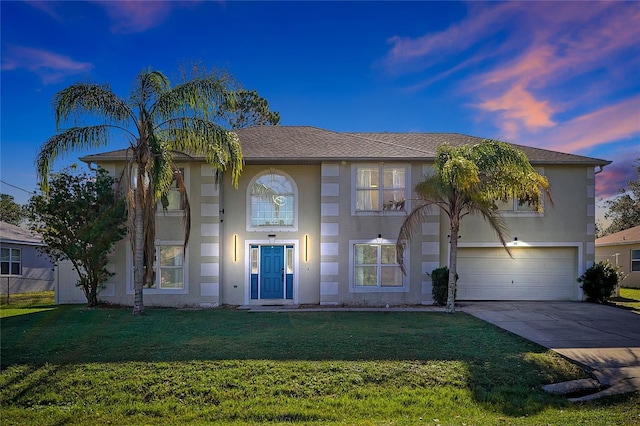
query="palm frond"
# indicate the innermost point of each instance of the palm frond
(70, 140)
(149, 87)
(203, 97)
(410, 225)
(80, 99)
(186, 205)
(196, 136)
(492, 216)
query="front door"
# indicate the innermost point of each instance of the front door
(272, 274)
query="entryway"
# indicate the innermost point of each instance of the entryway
(272, 272)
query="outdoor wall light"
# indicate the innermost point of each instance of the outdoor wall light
(272, 238)
(235, 247)
(306, 247)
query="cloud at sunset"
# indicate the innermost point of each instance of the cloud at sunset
(433, 47)
(519, 108)
(137, 16)
(49, 66)
(568, 85)
(612, 123)
(47, 7)
(616, 176)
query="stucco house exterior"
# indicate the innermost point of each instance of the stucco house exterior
(622, 249)
(22, 267)
(315, 219)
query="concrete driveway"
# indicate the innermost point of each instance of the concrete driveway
(604, 339)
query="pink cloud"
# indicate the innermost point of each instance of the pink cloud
(616, 176)
(51, 67)
(559, 57)
(47, 7)
(612, 123)
(537, 62)
(518, 107)
(133, 16)
(454, 39)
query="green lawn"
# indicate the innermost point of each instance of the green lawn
(75, 366)
(629, 299)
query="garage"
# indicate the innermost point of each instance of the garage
(534, 273)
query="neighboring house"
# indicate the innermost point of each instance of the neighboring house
(622, 249)
(22, 267)
(315, 219)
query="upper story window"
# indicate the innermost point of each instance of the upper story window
(513, 208)
(381, 187)
(172, 201)
(10, 261)
(272, 199)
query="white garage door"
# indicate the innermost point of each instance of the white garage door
(534, 273)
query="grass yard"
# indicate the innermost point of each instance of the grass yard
(76, 366)
(629, 299)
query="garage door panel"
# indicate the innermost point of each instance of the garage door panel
(533, 274)
(516, 293)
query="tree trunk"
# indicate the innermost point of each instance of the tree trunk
(92, 296)
(453, 268)
(138, 248)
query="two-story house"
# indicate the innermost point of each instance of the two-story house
(315, 219)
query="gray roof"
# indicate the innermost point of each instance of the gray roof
(16, 235)
(628, 236)
(305, 144)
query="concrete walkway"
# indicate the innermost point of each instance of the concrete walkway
(604, 339)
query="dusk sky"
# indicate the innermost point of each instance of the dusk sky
(563, 76)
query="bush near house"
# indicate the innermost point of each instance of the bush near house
(599, 281)
(440, 285)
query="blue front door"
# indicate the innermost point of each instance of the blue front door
(272, 272)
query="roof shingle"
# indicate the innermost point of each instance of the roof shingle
(282, 144)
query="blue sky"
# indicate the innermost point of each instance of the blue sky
(561, 76)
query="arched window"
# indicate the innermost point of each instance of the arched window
(272, 198)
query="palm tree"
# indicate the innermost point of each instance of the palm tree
(469, 179)
(159, 121)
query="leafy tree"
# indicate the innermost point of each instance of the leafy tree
(158, 121)
(80, 219)
(250, 108)
(624, 210)
(469, 180)
(10, 211)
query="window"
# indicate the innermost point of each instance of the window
(380, 187)
(635, 260)
(272, 201)
(172, 201)
(10, 261)
(289, 260)
(169, 268)
(254, 259)
(375, 266)
(514, 206)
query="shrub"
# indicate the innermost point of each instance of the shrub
(599, 281)
(440, 280)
